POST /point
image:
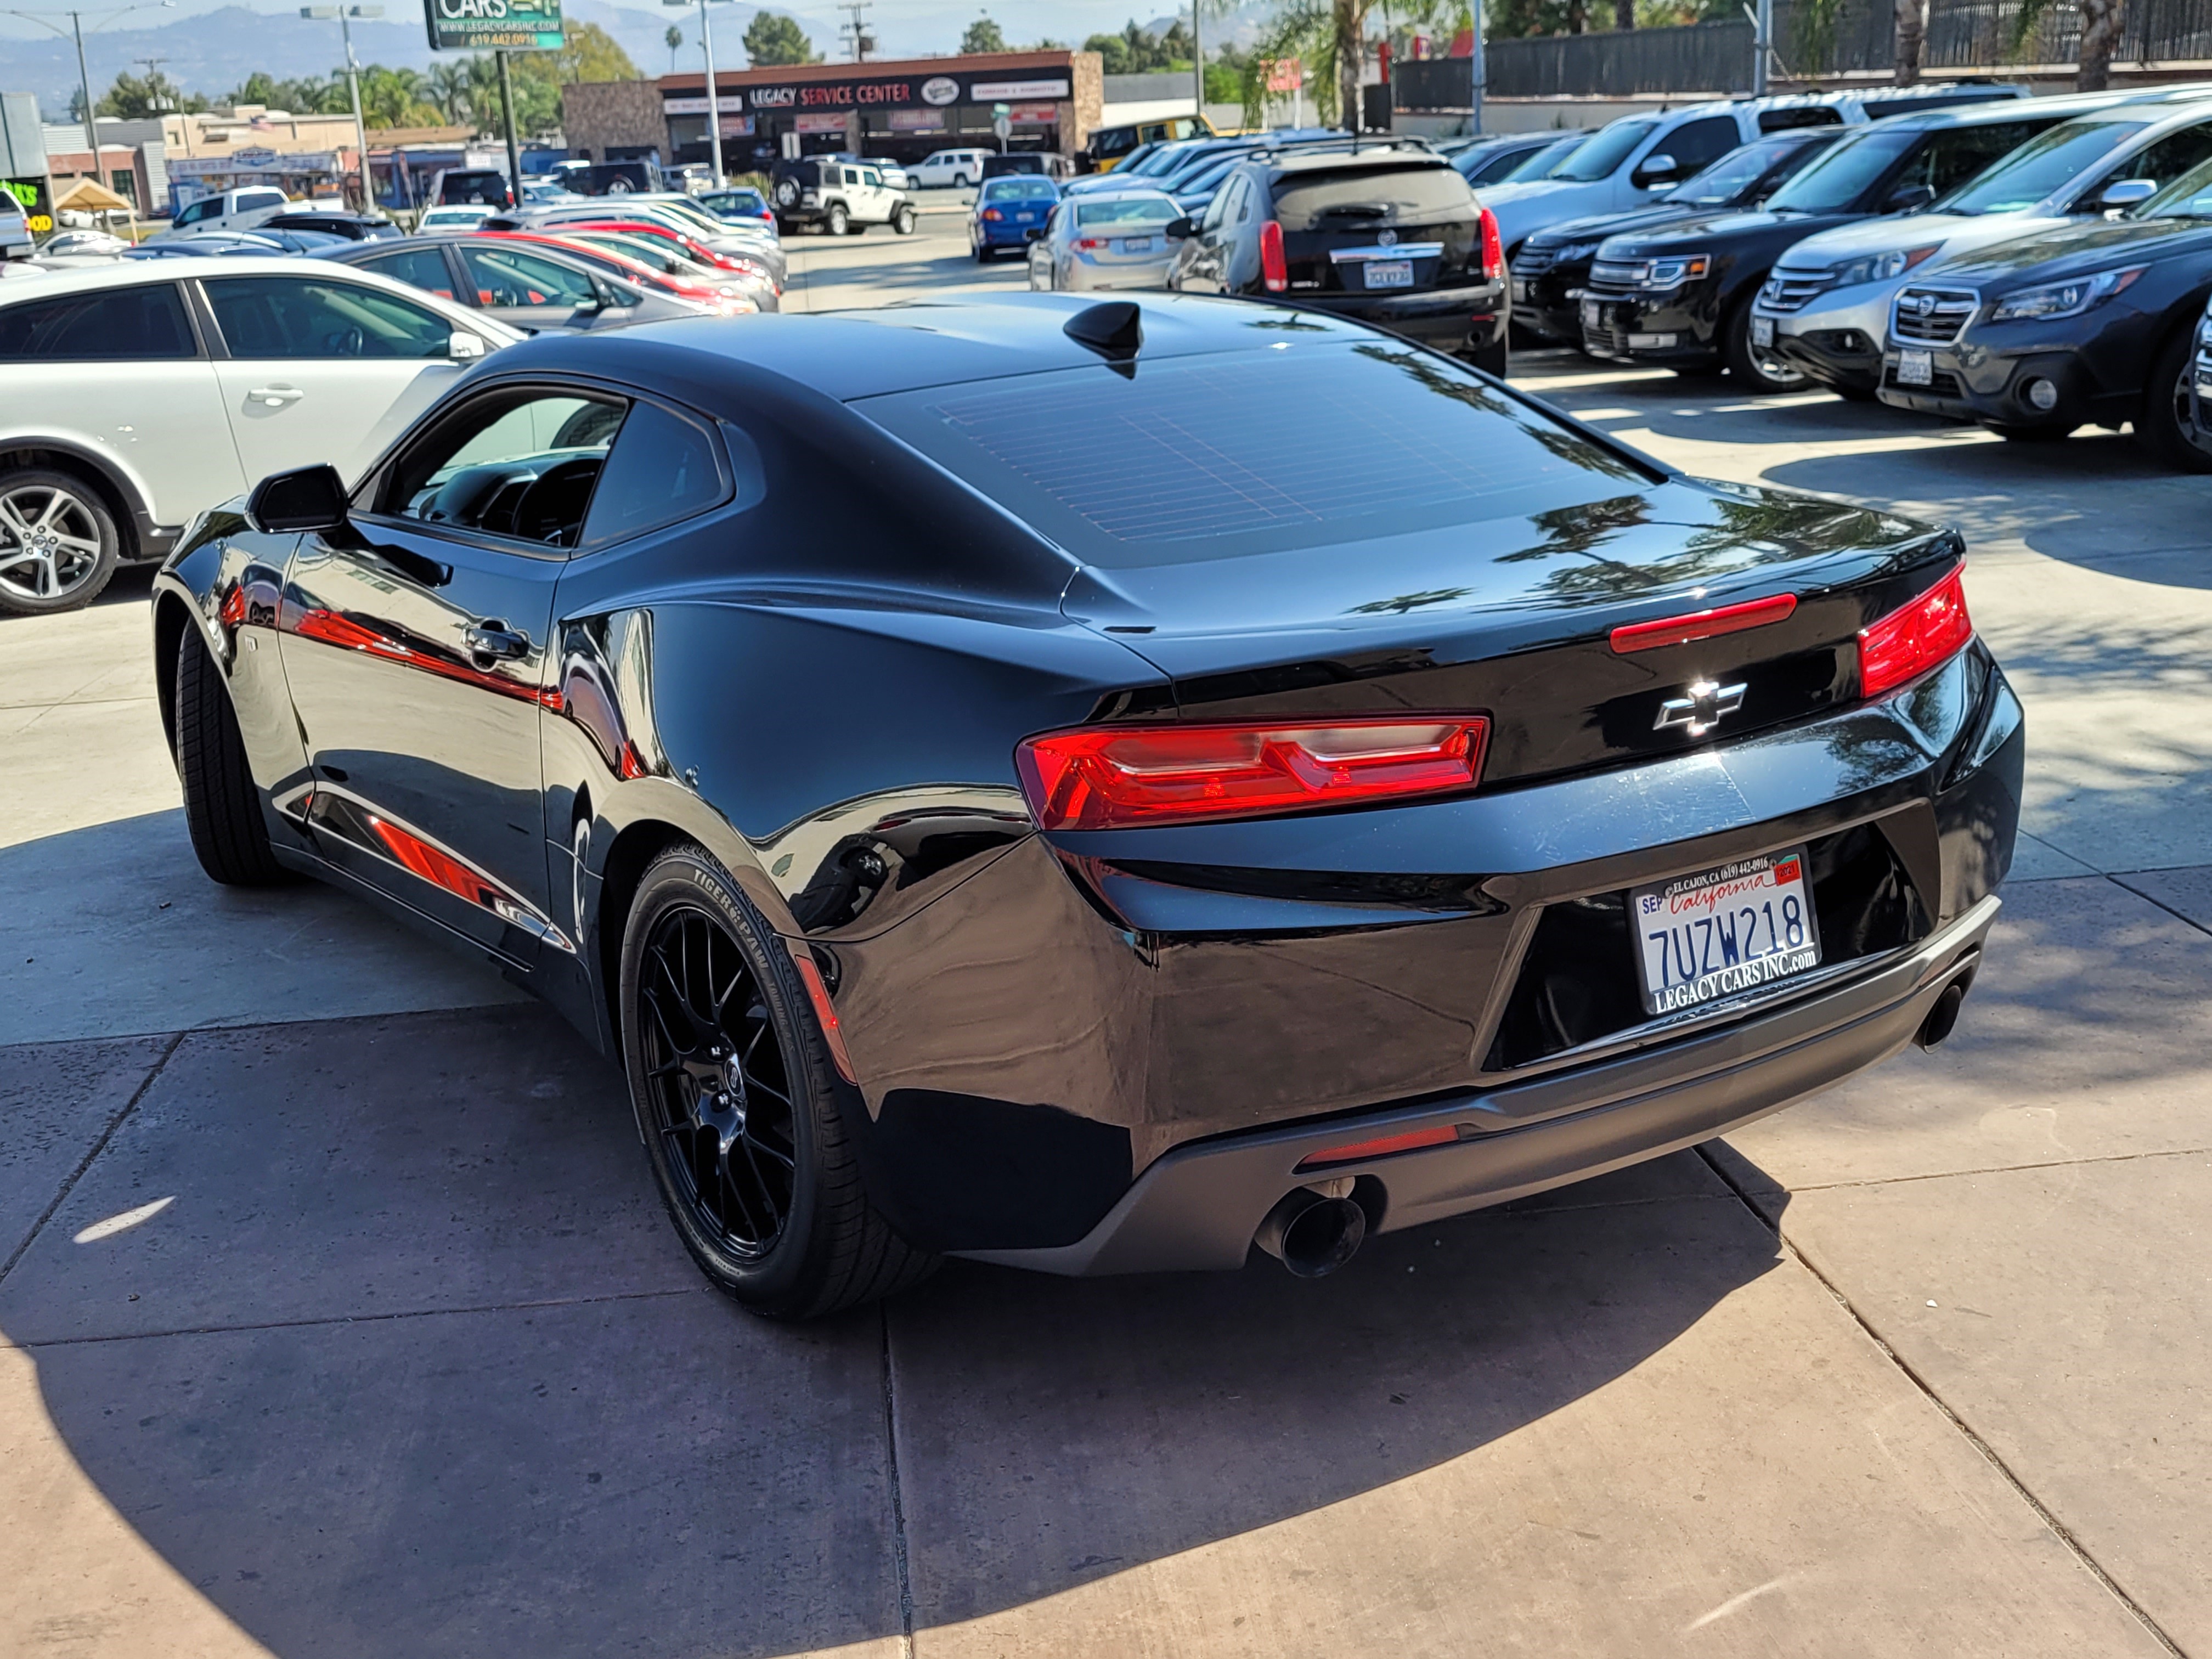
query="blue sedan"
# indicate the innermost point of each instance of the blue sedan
(1006, 210)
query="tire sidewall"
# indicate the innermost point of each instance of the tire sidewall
(2160, 426)
(688, 877)
(1743, 359)
(103, 517)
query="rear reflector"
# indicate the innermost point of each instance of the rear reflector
(1702, 624)
(1360, 1150)
(1274, 268)
(1125, 776)
(1923, 634)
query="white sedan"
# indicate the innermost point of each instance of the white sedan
(1107, 240)
(142, 393)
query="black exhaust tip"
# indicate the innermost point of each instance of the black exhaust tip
(1312, 1234)
(1943, 1018)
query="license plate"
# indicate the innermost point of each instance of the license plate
(1521, 287)
(1389, 273)
(1722, 931)
(1590, 318)
(1023, 218)
(1136, 245)
(1915, 368)
(1762, 330)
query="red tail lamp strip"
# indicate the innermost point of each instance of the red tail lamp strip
(1132, 776)
(818, 994)
(1360, 1150)
(1915, 638)
(1702, 624)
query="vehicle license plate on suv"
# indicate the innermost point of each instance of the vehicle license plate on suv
(1724, 931)
(1389, 273)
(1915, 368)
(1762, 330)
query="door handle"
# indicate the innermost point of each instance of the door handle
(275, 396)
(493, 638)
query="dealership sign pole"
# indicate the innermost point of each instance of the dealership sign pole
(499, 26)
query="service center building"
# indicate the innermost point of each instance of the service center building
(900, 111)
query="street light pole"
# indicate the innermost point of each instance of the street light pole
(343, 14)
(713, 99)
(76, 33)
(507, 108)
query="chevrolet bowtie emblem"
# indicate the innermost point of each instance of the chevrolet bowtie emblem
(1701, 710)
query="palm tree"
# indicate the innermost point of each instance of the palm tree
(449, 87)
(675, 39)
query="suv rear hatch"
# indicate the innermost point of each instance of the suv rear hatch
(1370, 228)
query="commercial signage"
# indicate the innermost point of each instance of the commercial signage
(493, 25)
(984, 91)
(1034, 115)
(857, 92)
(252, 161)
(917, 120)
(819, 124)
(729, 103)
(37, 207)
(1286, 74)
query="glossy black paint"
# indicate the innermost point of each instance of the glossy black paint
(1035, 1020)
(2100, 360)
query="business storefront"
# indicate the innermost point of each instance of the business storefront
(302, 173)
(902, 111)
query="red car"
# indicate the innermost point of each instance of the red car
(631, 270)
(689, 247)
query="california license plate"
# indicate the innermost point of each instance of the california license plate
(1724, 931)
(1389, 273)
(1915, 368)
(1136, 245)
(1762, 330)
(1590, 318)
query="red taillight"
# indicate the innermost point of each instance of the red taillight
(1122, 777)
(1360, 1150)
(1702, 624)
(1274, 270)
(992, 214)
(1493, 248)
(1908, 642)
(1089, 244)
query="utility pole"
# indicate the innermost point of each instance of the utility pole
(76, 32)
(1762, 45)
(507, 109)
(1478, 67)
(714, 97)
(1198, 55)
(858, 28)
(344, 15)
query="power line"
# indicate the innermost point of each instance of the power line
(858, 39)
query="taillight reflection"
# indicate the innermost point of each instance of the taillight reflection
(1909, 642)
(1122, 777)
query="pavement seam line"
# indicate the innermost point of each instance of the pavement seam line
(898, 1497)
(2000, 1168)
(355, 1318)
(2073, 1546)
(98, 1146)
(2151, 899)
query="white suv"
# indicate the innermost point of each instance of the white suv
(957, 168)
(841, 196)
(142, 393)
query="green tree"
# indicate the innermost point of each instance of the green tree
(674, 37)
(983, 35)
(772, 39)
(137, 97)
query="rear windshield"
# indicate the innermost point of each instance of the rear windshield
(2049, 161)
(1226, 455)
(1367, 197)
(1127, 211)
(1020, 189)
(1597, 156)
(1844, 173)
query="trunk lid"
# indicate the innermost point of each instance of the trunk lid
(1378, 229)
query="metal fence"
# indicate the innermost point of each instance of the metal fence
(1982, 37)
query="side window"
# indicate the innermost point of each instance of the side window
(1247, 197)
(311, 317)
(109, 323)
(507, 277)
(1217, 210)
(249, 200)
(1696, 144)
(664, 469)
(849, 175)
(2171, 156)
(417, 267)
(198, 210)
(1952, 157)
(871, 178)
(521, 462)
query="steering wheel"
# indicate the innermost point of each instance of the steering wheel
(553, 506)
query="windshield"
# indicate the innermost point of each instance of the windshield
(1162, 160)
(1597, 156)
(1370, 197)
(1843, 175)
(1204, 178)
(1128, 210)
(1540, 164)
(2189, 197)
(2047, 162)
(1735, 176)
(1020, 188)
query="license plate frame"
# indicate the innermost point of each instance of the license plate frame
(1762, 331)
(1915, 368)
(1719, 933)
(1387, 273)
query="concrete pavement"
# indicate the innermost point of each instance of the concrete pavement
(337, 1314)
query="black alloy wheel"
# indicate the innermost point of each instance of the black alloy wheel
(736, 1100)
(1757, 368)
(2169, 426)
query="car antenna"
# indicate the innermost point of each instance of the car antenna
(1115, 330)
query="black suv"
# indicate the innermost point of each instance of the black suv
(1388, 234)
(1680, 297)
(1553, 268)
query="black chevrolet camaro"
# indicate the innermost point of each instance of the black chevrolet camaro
(1099, 787)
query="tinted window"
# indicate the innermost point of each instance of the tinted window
(1222, 456)
(1371, 197)
(2189, 197)
(1597, 156)
(1955, 155)
(1738, 176)
(507, 277)
(1539, 165)
(123, 322)
(664, 469)
(1127, 211)
(1845, 173)
(305, 317)
(1696, 144)
(2172, 156)
(1020, 190)
(518, 463)
(198, 211)
(250, 199)
(417, 267)
(2045, 163)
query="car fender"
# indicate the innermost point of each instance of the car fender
(122, 479)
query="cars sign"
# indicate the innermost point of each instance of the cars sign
(487, 25)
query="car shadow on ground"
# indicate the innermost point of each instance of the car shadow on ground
(412, 1365)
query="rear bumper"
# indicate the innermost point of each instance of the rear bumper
(1199, 1206)
(1454, 319)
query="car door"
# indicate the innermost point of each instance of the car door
(416, 644)
(324, 368)
(534, 293)
(1203, 257)
(121, 370)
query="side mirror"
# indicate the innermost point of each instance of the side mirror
(463, 347)
(1034, 234)
(311, 498)
(1908, 198)
(1655, 170)
(1183, 229)
(2126, 192)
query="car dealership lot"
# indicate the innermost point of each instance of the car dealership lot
(406, 1361)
